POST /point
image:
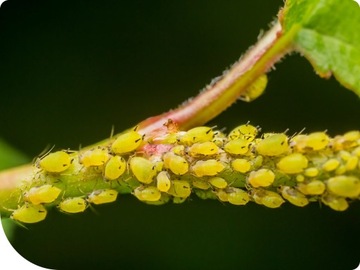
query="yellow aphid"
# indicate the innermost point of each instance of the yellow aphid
(346, 186)
(219, 138)
(94, 157)
(218, 182)
(293, 163)
(43, 194)
(241, 165)
(143, 169)
(340, 170)
(344, 155)
(331, 165)
(197, 134)
(201, 184)
(261, 178)
(208, 167)
(300, 178)
(317, 140)
(29, 213)
(180, 188)
(178, 150)
(255, 90)
(315, 187)
(177, 164)
(73, 205)
(352, 163)
(356, 151)
(102, 196)
(335, 203)
(268, 198)
(114, 168)
(127, 142)
(273, 145)
(238, 196)
(311, 172)
(56, 162)
(150, 194)
(222, 195)
(299, 142)
(237, 147)
(352, 136)
(246, 132)
(204, 148)
(293, 196)
(163, 182)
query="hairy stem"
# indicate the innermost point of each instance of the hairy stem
(214, 99)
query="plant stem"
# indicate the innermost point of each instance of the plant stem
(220, 94)
(208, 104)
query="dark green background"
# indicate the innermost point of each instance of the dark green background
(69, 70)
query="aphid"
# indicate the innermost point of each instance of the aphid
(246, 132)
(237, 147)
(311, 172)
(293, 163)
(127, 142)
(346, 186)
(331, 165)
(255, 90)
(351, 163)
(163, 182)
(273, 145)
(208, 167)
(300, 178)
(73, 205)
(56, 162)
(177, 164)
(178, 200)
(180, 188)
(293, 196)
(335, 203)
(219, 138)
(241, 165)
(218, 182)
(94, 157)
(201, 184)
(261, 178)
(315, 187)
(222, 195)
(203, 149)
(29, 213)
(150, 193)
(178, 150)
(317, 140)
(238, 196)
(114, 168)
(102, 196)
(43, 194)
(352, 136)
(143, 169)
(268, 198)
(197, 134)
(340, 170)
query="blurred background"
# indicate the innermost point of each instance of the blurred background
(70, 70)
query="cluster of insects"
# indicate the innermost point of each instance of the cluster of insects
(170, 165)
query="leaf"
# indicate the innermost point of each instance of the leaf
(327, 33)
(10, 157)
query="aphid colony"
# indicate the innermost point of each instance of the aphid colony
(240, 167)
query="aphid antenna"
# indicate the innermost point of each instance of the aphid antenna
(112, 131)
(42, 154)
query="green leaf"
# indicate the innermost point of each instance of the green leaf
(10, 157)
(327, 33)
